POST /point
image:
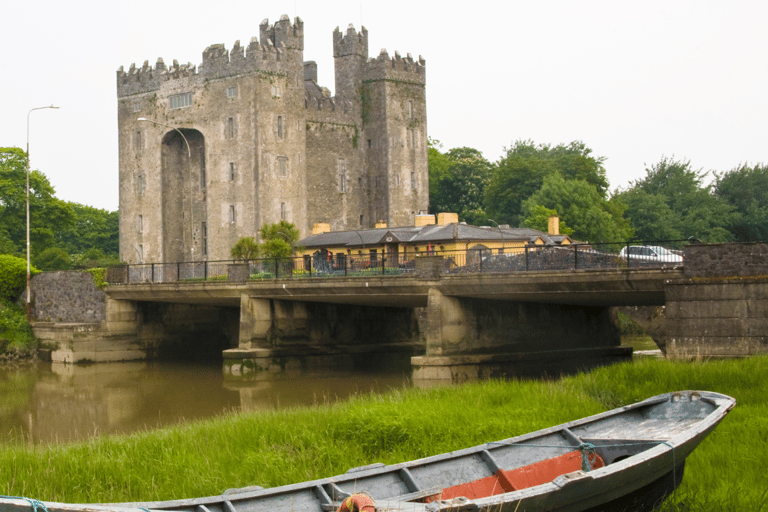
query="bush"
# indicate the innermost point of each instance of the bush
(13, 277)
(15, 333)
(53, 258)
(245, 249)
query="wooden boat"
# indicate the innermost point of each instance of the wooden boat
(629, 458)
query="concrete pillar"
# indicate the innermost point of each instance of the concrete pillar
(121, 316)
(449, 325)
(255, 322)
(291, 322)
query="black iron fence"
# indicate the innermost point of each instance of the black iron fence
(647, 254)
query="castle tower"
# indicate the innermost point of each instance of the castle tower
(395, 132)
(350, 53)
(210, 153)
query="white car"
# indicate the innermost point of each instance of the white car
(650, 254)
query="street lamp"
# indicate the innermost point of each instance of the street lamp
(501, 233)
(29, 276)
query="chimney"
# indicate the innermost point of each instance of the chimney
(424, 219)
(443, 219)
(553, 227)
(320, 227)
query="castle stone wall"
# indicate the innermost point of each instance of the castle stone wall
(267, 143)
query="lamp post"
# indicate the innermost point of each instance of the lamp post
(501, 233)
(29, 276)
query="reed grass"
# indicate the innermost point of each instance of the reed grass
(727, 472)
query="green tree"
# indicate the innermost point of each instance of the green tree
(93, 228)
(538, 218)
(692, 209)
(580, 206)
(245, 249)
(463, 174)
(48, 215)
(746, 189)
(53, 258)
(278, 240)
(521, 172)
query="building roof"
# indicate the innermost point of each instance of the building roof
(433, 233)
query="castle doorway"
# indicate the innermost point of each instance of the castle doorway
(184, 183)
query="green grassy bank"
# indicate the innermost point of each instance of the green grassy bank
(727, 472)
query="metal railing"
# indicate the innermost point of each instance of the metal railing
(646, 254)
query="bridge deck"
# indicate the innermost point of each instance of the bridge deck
(613, 287)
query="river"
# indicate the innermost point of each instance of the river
(44, 403)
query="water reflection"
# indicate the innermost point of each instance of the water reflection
(51, 402)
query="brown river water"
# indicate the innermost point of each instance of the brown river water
(51, 402)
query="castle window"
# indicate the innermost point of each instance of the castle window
(231, 171)
(369, 143)
(140, 252)
(136, 106)
(231, 92)
(205, 238)
(232, 218)
(411, 138)
(410, 109)
(397, 180)
(137, 141)
(277, 91)
(282, 211)
(140, 224)
(203, 178)
(229, 131)
(280, 127)
(282, 166)
(361, 220)
(140, 184)
(414, 185)
(341, 167)
(180, 100)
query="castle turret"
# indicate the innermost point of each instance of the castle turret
(350, 53)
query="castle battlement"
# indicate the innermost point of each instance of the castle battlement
(273, 56)
(350, 43)
(396, 68)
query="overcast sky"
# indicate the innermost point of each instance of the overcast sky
(633, 80)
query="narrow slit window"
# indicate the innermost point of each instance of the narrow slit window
(282, 211)
(230, 129)
(232, 218)
(279, 127)
(231, 171)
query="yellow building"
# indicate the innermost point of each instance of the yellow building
(442, 234)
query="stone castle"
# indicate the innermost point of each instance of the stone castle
(210, 154)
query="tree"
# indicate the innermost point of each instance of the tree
(48, 215)
(53, 258)
(582, 207)
(245, 249)
(278, 240)
(92, 228)
(691, 208)
(521, 172)
(460, 187)
(746, 189)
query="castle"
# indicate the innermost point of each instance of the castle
(210, 154)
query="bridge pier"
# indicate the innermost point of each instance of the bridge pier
(471, 339)
(281, 337)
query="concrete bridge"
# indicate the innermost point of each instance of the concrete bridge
(455, 327)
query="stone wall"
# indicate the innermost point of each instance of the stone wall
(713, 260)
(67, 297)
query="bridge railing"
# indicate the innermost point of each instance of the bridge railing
(651, 254)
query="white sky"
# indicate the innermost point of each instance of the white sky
(633, 80)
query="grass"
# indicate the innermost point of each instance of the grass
(727, 472)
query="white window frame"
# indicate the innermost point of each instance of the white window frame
(232, 92)
(180, 100)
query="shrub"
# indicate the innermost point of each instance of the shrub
(245, 249)
(13, 277)
(53, 258)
